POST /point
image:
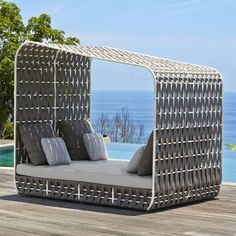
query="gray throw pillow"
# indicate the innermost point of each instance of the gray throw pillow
(134, 162)
(55, 151)
(145, 164)
(95, 146)
(31, 135)
(72, 132)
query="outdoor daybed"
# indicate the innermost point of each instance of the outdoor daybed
(52, 84)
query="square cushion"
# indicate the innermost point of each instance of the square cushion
(135, 161)
(145, 164)
(72, 132)
(95, 146)
(55, 151)
(31, 135)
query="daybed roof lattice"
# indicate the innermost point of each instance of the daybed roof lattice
(53, 84)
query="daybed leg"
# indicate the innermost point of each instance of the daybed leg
(46, 187)
(112, 195)
(78, 191)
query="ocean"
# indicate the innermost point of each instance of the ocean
(140, 106)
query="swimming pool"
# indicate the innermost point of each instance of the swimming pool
(126, 151)
(6, 156)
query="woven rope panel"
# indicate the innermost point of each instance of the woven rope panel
(73, 87)
(84, 192)
(158, 65)
(188, 138)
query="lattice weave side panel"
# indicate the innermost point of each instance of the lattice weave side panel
(73, 87)
(34, 90)
(188, 138)
(84, 192)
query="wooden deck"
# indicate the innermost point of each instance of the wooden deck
(36, 216)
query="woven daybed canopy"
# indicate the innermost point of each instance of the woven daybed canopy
(53, 84)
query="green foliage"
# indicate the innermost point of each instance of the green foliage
(8, 130)
(13, 32)
(39, 29)
(231, 146)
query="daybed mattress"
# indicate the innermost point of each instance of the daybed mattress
(110, 172)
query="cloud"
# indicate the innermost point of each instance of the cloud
(181, 4)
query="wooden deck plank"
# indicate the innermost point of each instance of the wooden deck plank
(36, 216)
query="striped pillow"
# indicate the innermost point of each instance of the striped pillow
(95, 146)
(55, 151)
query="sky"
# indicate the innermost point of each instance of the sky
(195, 31)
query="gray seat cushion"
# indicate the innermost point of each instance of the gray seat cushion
(135, 161)
(145, 164)
(72, 132)
(109, 172)
(95, 146)
(55, 151)
(31, 135)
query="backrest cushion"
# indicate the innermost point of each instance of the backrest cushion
(55, 151)
(145, 164)
(31, 135)
(135, 161)
(72, 133)
(95, 146)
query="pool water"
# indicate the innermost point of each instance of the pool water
(126, 151)
(229, 166)
(122, 151)
(6, 156)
